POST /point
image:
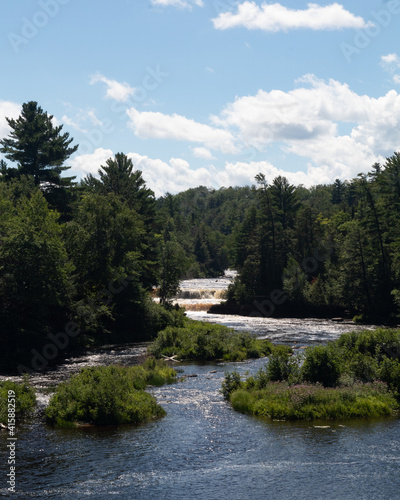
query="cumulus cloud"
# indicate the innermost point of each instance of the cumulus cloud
(390, 59)
(307, 121)
(82, 165)
(173, 176)
(149, 124)
(8, 109)
(244, 173)
(323, 124)
(391, 63)
(276, 17)
(183, 4)
(203, 153)
(120, 92)
(177, 174)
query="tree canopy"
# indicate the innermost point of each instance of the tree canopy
(37, 147)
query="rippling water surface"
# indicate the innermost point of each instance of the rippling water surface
(203, 449)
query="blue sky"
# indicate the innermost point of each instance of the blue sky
(210, 92)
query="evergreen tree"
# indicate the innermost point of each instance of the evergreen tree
(119, 177)
(37, 147)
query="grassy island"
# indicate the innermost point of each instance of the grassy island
(356, 376)
(109, 395)
(201, 341)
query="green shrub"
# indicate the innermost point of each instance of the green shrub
(378, 343)
(389, 372)
(278, 368)
(205, 341)
(321, 364)
(230, 384)
(109, 395)
(25, 399)
(364, 367)
(242, 401)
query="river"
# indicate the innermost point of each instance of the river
(203, 449)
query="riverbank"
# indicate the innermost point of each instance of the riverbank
(265, 308)
(356, 376)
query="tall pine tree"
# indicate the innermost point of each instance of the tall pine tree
(38, 148)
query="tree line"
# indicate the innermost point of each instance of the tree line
(79, 261)
(325, 249)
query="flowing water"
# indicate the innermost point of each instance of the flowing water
(203, 449)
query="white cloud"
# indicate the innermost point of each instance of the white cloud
(183, 4)
(93, 118)
(307, 121)
(115, 90)
(8, 109)
(276, 17)
(244, 173)
(391, 59)
(81, 119)
(148, 124)
(391, 63)
(173, 176)
(332, 130)
(177, 174)
(72, 123)
(81, 165)
(203, 153)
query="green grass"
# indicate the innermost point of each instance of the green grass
(109, 395)
(279, 400)
(357, 376)
(203, 341)
(25, 400)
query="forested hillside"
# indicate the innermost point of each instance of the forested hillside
(331, 249)
(79, 261)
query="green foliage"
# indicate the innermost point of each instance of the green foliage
(230, 384)
(278, 246)
(204, 341)
(321, 365)
(37, 146)
(106, 241)
(119, 177)
(39, 149)
(203, 221)
(109, 395)
(358, 375)
(279, 400)
(25, 400)
(34, 276)
(173, 265)
(282, 367)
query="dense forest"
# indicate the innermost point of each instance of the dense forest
(328, 250)
(79, 261)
